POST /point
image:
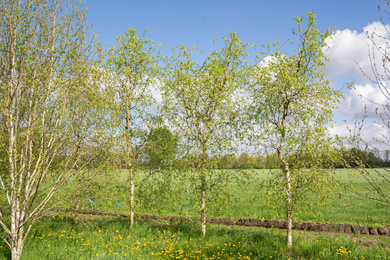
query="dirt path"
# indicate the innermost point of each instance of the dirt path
(252, 222)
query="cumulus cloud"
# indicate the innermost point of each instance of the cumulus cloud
(266, 61)
(349, 51)
(351, 54)
(372, 134)
(364, 100)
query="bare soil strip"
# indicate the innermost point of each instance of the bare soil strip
(253, 222)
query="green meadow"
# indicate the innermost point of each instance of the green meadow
(248, 200)
(70, 236)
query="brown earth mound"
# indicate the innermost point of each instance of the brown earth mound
(253, 222)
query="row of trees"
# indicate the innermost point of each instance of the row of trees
(356, 157)
(162, 147)
(70, 111)
(352, 157)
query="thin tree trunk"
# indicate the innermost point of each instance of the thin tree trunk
(78, 195)
(78, 199)
(130, 165)
(79, 186)
(287, 172)
(289, 212)
(17, 243)
(16, 234)
(203, 202)
(288, 209)
(132, 202)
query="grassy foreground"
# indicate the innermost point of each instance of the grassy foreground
(93, 237)
(111, 238)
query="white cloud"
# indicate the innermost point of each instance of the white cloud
(156, 92)
(371, 134)
(348, 50)
(267, 60)
(351, 55)
(364, 100)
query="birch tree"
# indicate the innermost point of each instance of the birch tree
(200, 102)
(132, 67)
(293, 107)
(45, 84)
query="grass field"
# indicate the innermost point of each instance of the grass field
(92, 237)
(248, 202)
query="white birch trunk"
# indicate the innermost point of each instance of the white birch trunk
(203, 203)
(288, 208)
(35, 120)
(132, 195)
(17, 243)
(287, 172)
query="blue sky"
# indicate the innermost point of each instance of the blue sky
(198, 22)
(259, 22)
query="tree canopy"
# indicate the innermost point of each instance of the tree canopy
(293, 107)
